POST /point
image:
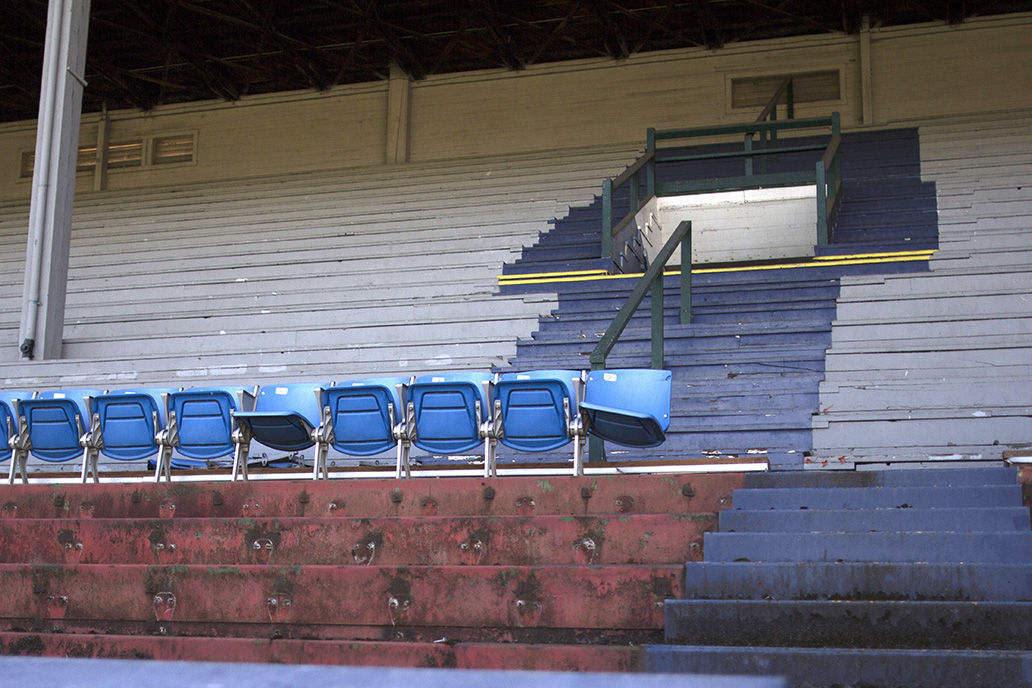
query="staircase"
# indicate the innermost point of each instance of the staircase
(554, 573)
(747, 370)
(892, 578)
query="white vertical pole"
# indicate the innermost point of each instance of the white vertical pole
(53, 179)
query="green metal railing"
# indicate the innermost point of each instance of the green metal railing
(758, 140)
(651, 281)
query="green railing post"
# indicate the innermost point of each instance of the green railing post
(652, 281)
(686, 277)
(607, 218)
(763, 147)
(790, 100)
(650, 167)
(822, 205)
(748, 154)
(657, 321)
(633, 192)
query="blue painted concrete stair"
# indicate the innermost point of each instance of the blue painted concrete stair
(894, 578)
(747, 370)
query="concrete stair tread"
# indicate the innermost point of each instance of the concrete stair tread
(859, 580)
(852, 623)
(836, 667)
(376, 498)
(886, 519)
(1001, 475)
(874, 497)
(944, 547)
(413, 665)
(394, 653)
(407, 540)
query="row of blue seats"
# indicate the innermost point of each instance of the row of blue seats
(445, 414)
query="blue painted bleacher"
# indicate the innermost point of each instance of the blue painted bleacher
(747, 370)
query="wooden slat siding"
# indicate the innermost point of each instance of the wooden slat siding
(318, 276)
(956, 69)
(938, 364)
(345, 126)
(568, 105)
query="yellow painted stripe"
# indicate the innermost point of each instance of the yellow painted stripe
(859, 259)
(530, 275)
(888, 254)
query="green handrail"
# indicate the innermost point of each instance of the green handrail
(826, 174)
(652, 281)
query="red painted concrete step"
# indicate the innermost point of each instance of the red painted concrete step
(417, 541)
(327, 600)
(356, 653)
(374, 498)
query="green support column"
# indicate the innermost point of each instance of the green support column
(657, 321)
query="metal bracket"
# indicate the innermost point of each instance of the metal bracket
(242, 439)
(82, 81)
(91, 441)
(20, 445)
(323, 437)
(404, 432)
(166, 440)
(491, 430)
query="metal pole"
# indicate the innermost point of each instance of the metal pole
(40, 179)
(686, 277)
(657, 321)
(54, 179)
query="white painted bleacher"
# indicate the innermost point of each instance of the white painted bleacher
(938, 365)
(321, 276)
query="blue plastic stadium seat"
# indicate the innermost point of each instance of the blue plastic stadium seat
(539, 411)
(124, 426)
(51, 426)
(284, 418)
(629, 407)
(358, 418)
(9, 420)
(200, 427)
(447, 411)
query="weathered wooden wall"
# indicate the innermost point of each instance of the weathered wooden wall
(915, 73)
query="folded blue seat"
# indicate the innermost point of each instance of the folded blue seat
(284, 418)
(628, 406)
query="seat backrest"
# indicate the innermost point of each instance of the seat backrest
(204, 421)
(628, 406)
(445, 410)
(7, 399)
(127, 421)
(533, 415)
(51, 421)
(284, 414)
(360, 414)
